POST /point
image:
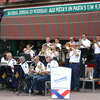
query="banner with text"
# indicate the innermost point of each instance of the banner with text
(79, 7)
(60, 83)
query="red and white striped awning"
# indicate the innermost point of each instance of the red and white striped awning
(54, 25)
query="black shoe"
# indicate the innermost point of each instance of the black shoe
(76, 90)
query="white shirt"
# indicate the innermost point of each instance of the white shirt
(3, 60)
(52, 63)
(73, 57)
(40, 67)
(96, 48)
(48, 44)
(58, 45)
(32, 53)
(86, 42)
(71, 42)
(25, 67)
(11, 63)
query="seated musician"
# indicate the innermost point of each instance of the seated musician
(40, 81)
(25, 68)
(36, 73)
(3, 59)
(54, 52)
(43, 50)
(10, 61)
(28, 50)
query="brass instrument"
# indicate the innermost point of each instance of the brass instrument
(30, 68)
(67, 45)
(94, 41)
(41, 69)
(42, 52)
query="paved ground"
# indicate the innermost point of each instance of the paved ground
(86, 95)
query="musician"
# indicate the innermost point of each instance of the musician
(96, 47)
(57, 43)
(28, 50)
(84, 47)
(72, 40)
(48, 41)
(44, 50)
(10, 61)
(74, 55)
(54, 52)
(4, 59)
(25, 68)
(40, 82)
(24, 64)
(37, 73)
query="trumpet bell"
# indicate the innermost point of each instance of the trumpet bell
(68, 46)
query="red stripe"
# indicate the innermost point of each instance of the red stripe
(54, 28)
(80, 24)
(68, 28)
(65, 93)
(91, 24)
(86, 26)
(36, 30)
(61, 25)
(97, 24)
(74, 25)
(46, 27)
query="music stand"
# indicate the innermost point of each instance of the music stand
(27, 56)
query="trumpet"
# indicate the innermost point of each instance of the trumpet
(67, 45)
(94, 41)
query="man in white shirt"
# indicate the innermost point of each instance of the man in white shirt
(40, 82)
(57, 43)
(72, 40)
(84, 47)
(96, 47)
(74, 55)
(28, 50)
(35, 71)
(48, 41)
(10, 61)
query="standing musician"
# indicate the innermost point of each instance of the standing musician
(10, 61)
(57, 43)
(84, 47)
(74, 55)
(48, 41)
(72, 40)
(40, 81)
(36, 73)
(28, 50)
(96, 47)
